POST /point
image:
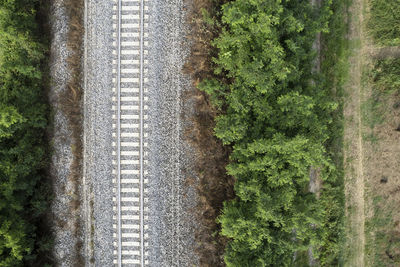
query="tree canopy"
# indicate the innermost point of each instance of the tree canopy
(275, 113)
(23, 121)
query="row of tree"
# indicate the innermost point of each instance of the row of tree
(23, 122)
(276, 115)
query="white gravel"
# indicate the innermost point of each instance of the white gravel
(172, 226)
(97, 133)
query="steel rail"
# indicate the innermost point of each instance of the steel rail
(119, 134)
(141, 134)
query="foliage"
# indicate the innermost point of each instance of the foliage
(334, 70)
(23, 121)
(386, 75)
(384, 23)
(277, 115)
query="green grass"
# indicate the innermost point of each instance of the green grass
(385, 75)
(383, 244)
(384, 78)
(384, 22)
(334, 68)
(371, 138)
(372, 111)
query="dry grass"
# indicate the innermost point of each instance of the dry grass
(199, 65)
(385, 52)
(381, 116)
(383, 187)
(371, 160)
(354, 149)
(214, 186)
(71, 104)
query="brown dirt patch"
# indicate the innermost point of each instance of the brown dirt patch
(385, 52)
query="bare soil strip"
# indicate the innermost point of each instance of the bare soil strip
(385, 52)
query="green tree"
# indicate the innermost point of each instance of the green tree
(23, 122)
(276, 116)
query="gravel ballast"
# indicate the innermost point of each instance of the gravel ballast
(66, 227)
(170, 201)
(98, 133)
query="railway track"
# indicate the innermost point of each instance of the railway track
(130, 132)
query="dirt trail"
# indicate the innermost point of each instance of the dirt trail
(353, 143)
(384, 52)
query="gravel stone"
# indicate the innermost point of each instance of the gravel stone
(171, 202)
(171, 226)
(98, 133)
(63, 223)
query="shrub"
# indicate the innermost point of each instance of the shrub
(276, 114)
(23, 121)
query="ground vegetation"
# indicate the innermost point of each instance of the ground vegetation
(384, 22)
(381, 113)
(71, 105)
(215, 186)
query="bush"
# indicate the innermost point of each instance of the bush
(277, 115)
(23, 121)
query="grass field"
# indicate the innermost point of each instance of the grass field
(384, 22)
(371, 121)
(381, 116)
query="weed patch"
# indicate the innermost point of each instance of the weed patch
(71, 104)
(214, 186)
(384, 22)
(384, 241)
